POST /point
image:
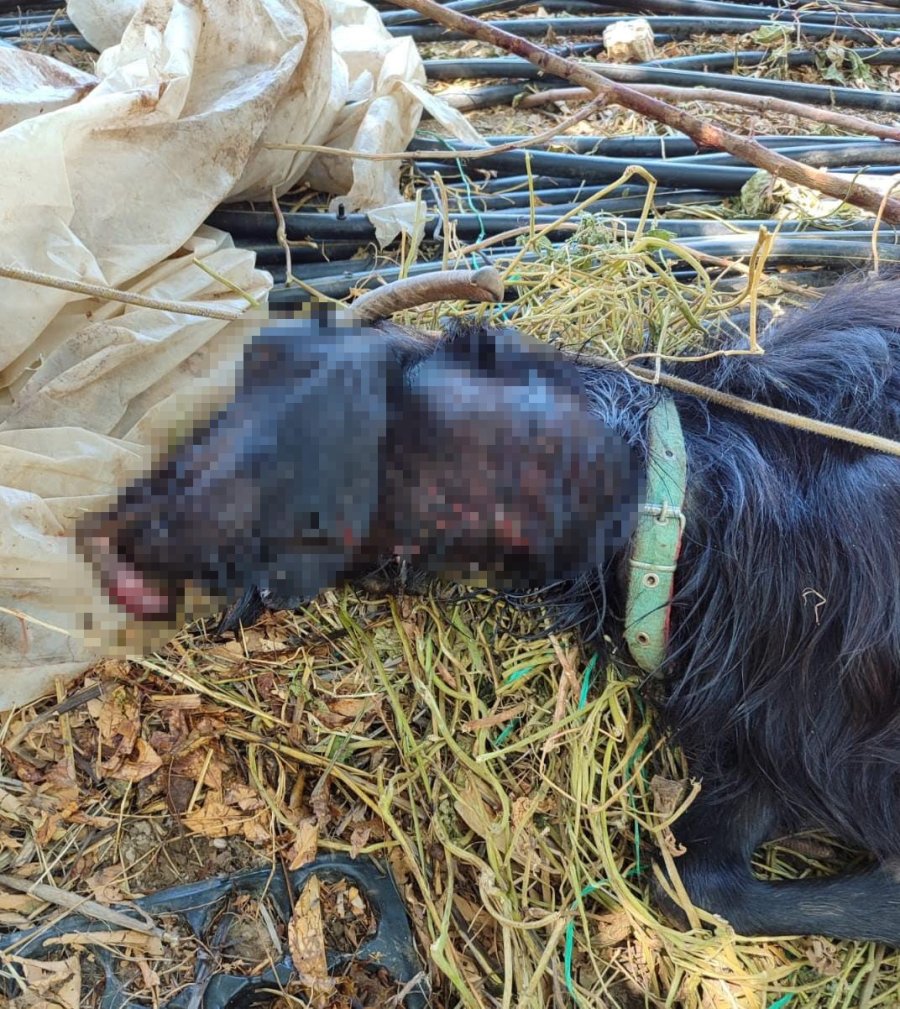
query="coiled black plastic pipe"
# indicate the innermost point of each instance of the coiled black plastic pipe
(675, 27)
(812, 94)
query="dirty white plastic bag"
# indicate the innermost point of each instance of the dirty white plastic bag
(31, 84)
(365, 93)
(89, 420)
(106, 188)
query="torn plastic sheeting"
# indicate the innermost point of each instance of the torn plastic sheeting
(105, 189)
(31, 84)
(102, 22)
(365, 93)
(91, 418)
(381, 115)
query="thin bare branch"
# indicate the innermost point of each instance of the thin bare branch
(718, 96)
(114, 294)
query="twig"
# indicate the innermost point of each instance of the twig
(281, 238)
(114, 294)
(703, 133)
(225, 282)
(799, 423)
(717, 96)
(61, 708)
(83, 905)
(22, 615)
(592, 106)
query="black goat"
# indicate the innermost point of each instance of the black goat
(782, 676)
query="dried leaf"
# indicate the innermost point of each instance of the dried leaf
(49, 984)
(141, 763)
(119, 723)
(667, 794)
(147, 945)
(613, 928)
(306, 941)
(823, 955)
(306, 843)
(257, 829)
(359, 838)
(214, 818)
(106, 885)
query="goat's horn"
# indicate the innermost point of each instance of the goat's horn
(485, 284)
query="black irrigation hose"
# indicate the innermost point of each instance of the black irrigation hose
(846, 155)
(849, 156)
(336, 282)
(797, 248)
(650, 146)
(268, 253)
(26, 18)
(258, 228)
(752, 57)
(573, 195)
(634, 204)
(799, 11)
(720, 172)
(721, 9)
(488, 97)
(72, 41)
(272, 254)
(325, 227)
(558, 198)
(493, 95)
(676, 27)
(840, 151)
(36, 30)
(737, 59)
(628, 198)
(688, 228)
(391, 18)
(789, 9)
(598, 169)
(10, 8)
(811, 94)
(454, 177)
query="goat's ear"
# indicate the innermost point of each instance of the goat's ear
(506, 354)
(499, 469)
(326, 484)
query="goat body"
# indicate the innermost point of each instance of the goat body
(493, 456)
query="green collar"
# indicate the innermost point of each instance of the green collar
(657, 539)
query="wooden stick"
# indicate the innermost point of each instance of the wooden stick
(875, 442)
(84, 905)
(114, 294)
(704, 134)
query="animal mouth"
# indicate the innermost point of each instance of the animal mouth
(125, 585)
